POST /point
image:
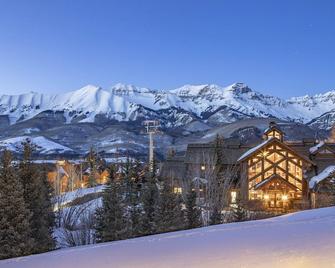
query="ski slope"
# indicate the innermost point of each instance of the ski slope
(303, 239)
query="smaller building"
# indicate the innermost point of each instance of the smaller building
(322, 188)
(67, 176)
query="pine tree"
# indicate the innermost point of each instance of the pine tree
(239, 212)
(134, 201)
(149, 200)
(15, 233)
(127, 180)
(110, 220)
(193, 213)
(216, 185)
(37, 196)
(169, 214)
(92, 162)
(215, 217)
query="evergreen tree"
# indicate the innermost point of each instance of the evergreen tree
(239, 212)
(134, 201)
(216, 184)
(37, 196)
(110, 220)
(193, 213)
(15, 233)
(149, 198)
(92, 159)
(169, 214)
(215, 217)
(127, 180)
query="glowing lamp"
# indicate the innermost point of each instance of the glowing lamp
(203, 167)
(284, 197)
(266, 197)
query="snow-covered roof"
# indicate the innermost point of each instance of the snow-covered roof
(271, 128)
(313, 149)
(254, 149)
(199, 180)
(321, 176)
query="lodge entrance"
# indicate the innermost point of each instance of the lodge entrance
(275, 199)
(276, 192)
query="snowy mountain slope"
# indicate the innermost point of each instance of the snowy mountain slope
(93, 116)
(177, 106)
(303, 239)
(44, 146)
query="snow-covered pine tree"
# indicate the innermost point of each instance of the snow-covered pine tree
(15, 232)
(239, 212)
(37, 196)
(193, 213)
(110, 219)
(169, 213)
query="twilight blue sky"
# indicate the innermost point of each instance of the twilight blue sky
(283, 48)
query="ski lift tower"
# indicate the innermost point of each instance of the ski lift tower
(151, 127)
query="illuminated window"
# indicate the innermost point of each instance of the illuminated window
(177, 190)
(233, 195)
(274, 134)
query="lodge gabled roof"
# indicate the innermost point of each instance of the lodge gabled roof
(274, 177)
(272, 140)
(326, 173)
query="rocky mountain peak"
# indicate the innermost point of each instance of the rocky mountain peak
(239, 88)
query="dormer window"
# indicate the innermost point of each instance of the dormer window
(273, 132)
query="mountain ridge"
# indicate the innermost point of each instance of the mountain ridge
(124, 102)
(111, 119)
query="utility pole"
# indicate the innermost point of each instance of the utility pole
(151, 127)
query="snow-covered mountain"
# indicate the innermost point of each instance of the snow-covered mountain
(176, 107)
(111, 119)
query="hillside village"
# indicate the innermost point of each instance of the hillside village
(159, 134)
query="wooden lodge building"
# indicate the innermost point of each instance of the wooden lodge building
(282, 175)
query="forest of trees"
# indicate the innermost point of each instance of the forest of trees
(26, 212)
(135, 202)
(139, 204)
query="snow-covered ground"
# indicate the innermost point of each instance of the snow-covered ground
(44, 145)
(303, 239)
(70, 196)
